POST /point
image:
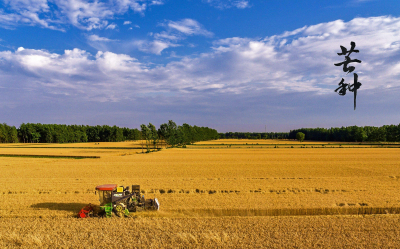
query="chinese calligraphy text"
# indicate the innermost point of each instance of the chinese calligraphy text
(343, 87)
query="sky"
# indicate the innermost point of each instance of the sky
(231, 65)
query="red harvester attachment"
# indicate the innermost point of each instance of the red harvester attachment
(86, 211)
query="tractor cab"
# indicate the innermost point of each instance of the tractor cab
(105, 193)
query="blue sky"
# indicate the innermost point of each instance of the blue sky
(231, 65)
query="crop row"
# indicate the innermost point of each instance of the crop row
(198, 191)
(360, 209)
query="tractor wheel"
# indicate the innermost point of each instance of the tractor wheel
(119, 210)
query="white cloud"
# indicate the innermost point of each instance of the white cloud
(98, 38)
(225, 4)
(153, 47)
(168, 36)
(175, 31)
(127, 22)
(188, 27)
(157, 2)
(28, 5)
(83, 14)
(241, 4)
(111, 26)
(303, 63)
(27, 12)
(179, 30)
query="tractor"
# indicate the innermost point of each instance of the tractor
(119, 201)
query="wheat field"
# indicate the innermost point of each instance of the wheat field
(209, 195)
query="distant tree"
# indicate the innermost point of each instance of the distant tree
(12, 134)
(162, 132)
(117, 134)
(300, 136)
(153, 135)
(146, 135)
(35, 137)
(359, 134)
(169, 132)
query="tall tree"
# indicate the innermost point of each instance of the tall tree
(146, 135)
(153, 134)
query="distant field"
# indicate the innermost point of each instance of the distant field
(260, 141)
(285, 143)
(204, 182)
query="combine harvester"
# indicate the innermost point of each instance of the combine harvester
(119, 201)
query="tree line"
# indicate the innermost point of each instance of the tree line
(254, 135)
(61, 133)
(174, 135)
(8, 134)
(386, 133)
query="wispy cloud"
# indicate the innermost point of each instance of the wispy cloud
(179, 30)
(98, 38)
(242, 4)
(153, 47)
(27, 12)
(111, 26)
(226, 4)
(175, 31)
(157, 2)
(188, 27)
(55, 14)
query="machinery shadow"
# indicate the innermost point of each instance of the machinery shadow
(73, 207)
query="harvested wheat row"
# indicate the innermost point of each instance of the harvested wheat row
(287, 211)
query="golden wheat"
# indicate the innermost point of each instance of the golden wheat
(229, 232)
(199, 182)
(203, 179)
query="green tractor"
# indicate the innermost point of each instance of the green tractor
(119, 201)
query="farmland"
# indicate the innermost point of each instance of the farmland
(208, 192)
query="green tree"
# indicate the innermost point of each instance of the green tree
(146, 135)
(12, 135)
(300, 136)
(35, 137)
(359, 134)
(169, 132)
(153, 135)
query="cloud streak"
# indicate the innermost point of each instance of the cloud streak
(226, 4)
(188, 27)
(97, 38)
